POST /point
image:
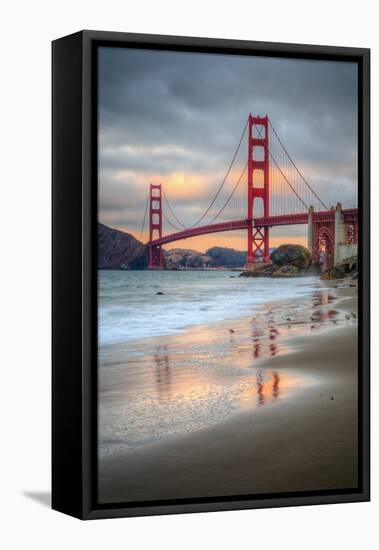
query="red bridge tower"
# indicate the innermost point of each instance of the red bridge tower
(155, 251)
(257, 188)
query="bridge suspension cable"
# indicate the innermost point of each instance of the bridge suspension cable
(170, 223)
(283, 175)
(286, 175)
(230, 196)
(225, 178)
(296, 168)
(172, 210)
(144, 219)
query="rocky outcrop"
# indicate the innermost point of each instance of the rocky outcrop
(119, 250)
(286, 271)
(288, 260)
(294, 255)
(347, 268)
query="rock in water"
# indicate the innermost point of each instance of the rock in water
(286, 271)
(259, 271)
(347, 268)
(288, 260)
(294, 255)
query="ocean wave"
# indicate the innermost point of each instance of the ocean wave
(142, 304)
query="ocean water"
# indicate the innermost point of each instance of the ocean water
(130, 308)
(157, 380)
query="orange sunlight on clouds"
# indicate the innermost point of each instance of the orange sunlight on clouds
(180, 185)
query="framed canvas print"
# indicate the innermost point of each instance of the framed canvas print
(210, 274)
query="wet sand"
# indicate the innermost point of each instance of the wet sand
(288, 423)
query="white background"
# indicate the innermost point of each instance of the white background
(26, 31)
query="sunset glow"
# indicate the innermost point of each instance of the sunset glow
(183, 138)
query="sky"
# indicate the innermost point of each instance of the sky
(175, 118)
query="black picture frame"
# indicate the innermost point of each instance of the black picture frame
(74, 295)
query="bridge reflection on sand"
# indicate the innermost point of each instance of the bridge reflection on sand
(176, 384)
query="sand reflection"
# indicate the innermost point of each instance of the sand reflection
(269, 388)
(162, 373)
(157, 388)
(175, 381)
(276, 385)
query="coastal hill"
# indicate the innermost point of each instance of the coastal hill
(227, 257)
(179, 258)
(120, 250)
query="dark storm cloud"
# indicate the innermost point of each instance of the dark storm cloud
(162, 113)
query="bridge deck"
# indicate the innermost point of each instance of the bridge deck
(350, 215)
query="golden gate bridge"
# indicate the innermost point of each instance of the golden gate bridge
(270, 191)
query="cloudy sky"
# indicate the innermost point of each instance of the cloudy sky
(175, 119)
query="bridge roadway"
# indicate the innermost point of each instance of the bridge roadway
(350, 215)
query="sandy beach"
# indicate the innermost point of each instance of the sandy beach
(274, 410)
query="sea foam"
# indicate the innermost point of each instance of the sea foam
(130, 307)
